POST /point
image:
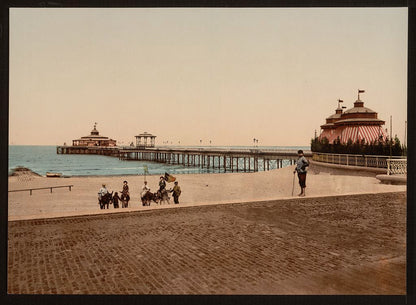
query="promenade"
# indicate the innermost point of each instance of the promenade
(343, 244)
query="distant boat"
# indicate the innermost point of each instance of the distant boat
(50, 175)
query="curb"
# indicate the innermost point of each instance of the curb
(391, 179)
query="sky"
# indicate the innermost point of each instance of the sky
(225, 75)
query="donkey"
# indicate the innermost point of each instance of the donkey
(106, 200)
(125, 198)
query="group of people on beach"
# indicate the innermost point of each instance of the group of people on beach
(162, 192)
(105, 198)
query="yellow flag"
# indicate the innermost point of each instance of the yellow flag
(169, 178)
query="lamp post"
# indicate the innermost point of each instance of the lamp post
(405, 133)
(391, 139)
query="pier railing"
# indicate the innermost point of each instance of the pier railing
(398, 164)
(288, 152)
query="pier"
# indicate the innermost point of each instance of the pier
(221, 159)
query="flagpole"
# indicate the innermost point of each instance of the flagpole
(360, 91)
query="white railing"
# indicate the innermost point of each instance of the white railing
(352, 160)
(396, 166)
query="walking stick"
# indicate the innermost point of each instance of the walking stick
(293, 185)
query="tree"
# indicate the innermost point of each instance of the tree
(377, 147)
(396, 147)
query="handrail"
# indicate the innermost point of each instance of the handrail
(398, 165)
(353, 155)
(42, 188)
(352, 160)
(215, 150)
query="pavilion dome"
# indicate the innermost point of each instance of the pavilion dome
(94, 139)
(334, 116)
(359, 108)
(95, 132)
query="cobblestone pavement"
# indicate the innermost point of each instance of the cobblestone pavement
(332, 245)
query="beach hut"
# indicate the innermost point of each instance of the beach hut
(94, 139)
(358, 124)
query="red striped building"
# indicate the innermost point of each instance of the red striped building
(358, 124)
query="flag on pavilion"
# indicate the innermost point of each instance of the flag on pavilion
(361, 91)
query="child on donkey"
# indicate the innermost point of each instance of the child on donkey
(125, 195)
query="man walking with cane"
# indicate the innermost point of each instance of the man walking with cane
(301, 164)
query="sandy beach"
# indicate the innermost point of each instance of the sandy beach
(197, 189)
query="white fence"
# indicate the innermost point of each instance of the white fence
(393, 166)
(352, 160)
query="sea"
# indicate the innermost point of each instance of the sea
(43, 159)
